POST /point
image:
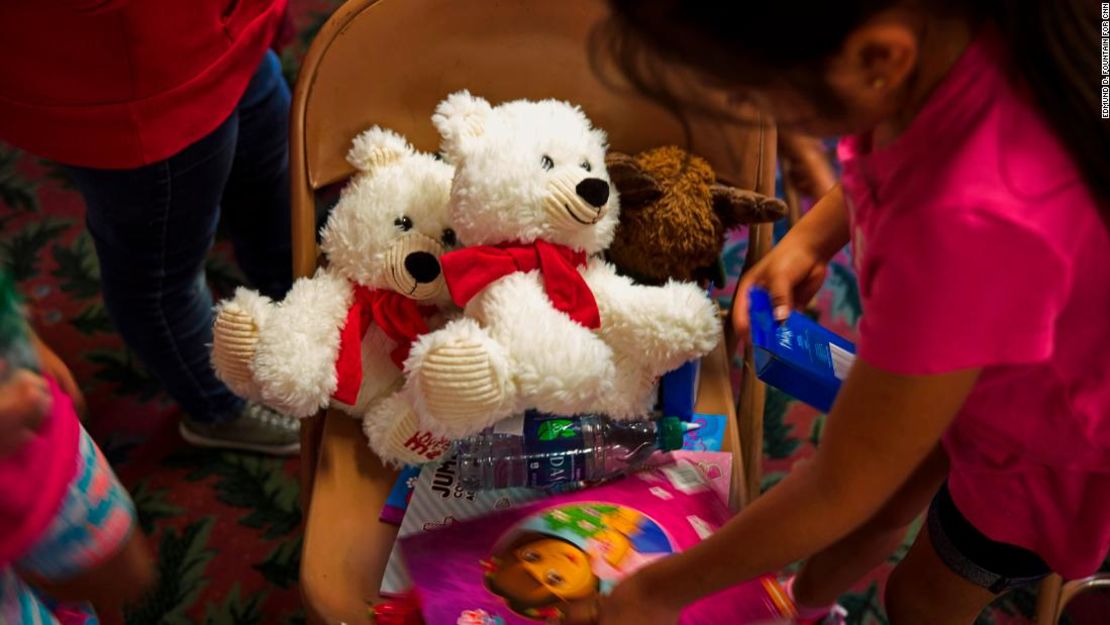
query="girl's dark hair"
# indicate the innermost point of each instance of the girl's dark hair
(1053, 48)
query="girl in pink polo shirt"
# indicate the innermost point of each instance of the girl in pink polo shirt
(976, 196)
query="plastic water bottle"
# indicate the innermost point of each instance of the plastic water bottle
(543, 451)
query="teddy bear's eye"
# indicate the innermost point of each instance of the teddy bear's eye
(403, 222)
(449, 238)
(546, 162)
(586, 165)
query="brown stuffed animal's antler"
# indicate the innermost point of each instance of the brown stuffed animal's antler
(737, 207)
(637, 187)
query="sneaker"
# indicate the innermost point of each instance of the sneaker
(257, 429)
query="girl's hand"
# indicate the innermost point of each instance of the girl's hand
(630, 603)
(795, 268)
(792, 272)
(24, 403)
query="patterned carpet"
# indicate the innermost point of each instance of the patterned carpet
(226, 525)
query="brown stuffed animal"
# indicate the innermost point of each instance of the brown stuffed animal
(675, 215)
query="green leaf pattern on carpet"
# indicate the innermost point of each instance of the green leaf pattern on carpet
(182, 558)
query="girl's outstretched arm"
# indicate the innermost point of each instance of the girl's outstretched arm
(881, 427)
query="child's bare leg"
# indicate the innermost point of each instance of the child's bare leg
(830, 573)
(923, 590)
(954, 570)
(120, 580)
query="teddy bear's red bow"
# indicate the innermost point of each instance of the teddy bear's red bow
(402, 320)
(471, 269)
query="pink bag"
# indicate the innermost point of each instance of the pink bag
(531, 564)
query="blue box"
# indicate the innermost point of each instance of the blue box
(678, 391)
(798, 356)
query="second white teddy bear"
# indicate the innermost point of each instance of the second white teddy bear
(547, 325)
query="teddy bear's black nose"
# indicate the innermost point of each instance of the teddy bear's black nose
(593, 190)
(422, 266)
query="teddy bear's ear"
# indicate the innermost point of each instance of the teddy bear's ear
(635, 186)
(739, 206)
(458, 118)
(377, 147)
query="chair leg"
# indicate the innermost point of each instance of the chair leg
(312, 430)
(1048, 600)
(749, 411)
(749, 406)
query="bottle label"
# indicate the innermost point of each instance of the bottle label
(554, 448)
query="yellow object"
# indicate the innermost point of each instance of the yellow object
(779, 597)
(624, 520)
(616, 544)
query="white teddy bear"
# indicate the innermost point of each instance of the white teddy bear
(548, 325)
(341, 336)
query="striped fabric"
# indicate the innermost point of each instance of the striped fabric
(94, 522)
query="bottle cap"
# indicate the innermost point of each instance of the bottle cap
(671, 432)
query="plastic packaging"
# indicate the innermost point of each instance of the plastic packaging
(554, 559)
(543, 451)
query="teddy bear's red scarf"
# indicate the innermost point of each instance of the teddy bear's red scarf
(471, 269)
(402, 320)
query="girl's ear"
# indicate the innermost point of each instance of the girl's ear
(636, 187)
(737, 207)
(882, 55)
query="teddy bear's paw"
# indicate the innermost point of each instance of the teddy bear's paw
(234, 344)
(465, 385)
(575, 386)
(633, 390)
(694, 321)
(396, 436)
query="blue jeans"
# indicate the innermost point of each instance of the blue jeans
(154, 225)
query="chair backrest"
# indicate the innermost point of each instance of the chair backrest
(389, 62)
